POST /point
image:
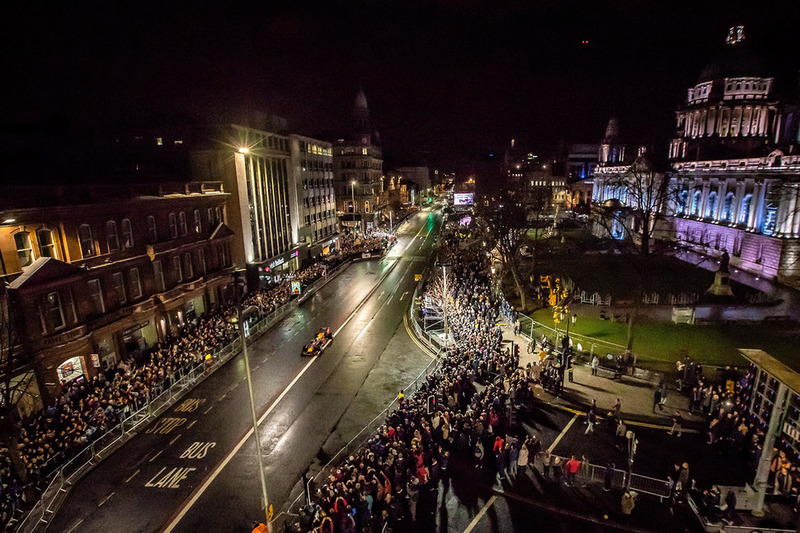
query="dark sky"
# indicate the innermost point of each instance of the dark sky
(451, 77)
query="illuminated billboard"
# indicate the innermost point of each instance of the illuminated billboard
(462, 198)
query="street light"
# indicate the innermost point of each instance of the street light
(353, 200)
(239, 320)
(243, 150)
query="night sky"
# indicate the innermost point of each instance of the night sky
(452, 79)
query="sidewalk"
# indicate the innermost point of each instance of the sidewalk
(636, 395)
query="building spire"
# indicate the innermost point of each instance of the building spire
(735, 35)
(361, 113)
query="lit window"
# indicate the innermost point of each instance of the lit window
(119, 287)
(160, 141)
(86, 239)
(363, 151)
(112, 238)
(136, 284)
(198, 223)
(47, 247)
(158, 274)
(184, 226)
(24, 252)
(152, 229)
(127, 234)
(96, 296)
(54, 312)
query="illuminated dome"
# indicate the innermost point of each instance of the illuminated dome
(735, 59)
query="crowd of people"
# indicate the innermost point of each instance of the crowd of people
(87, 408)
(378, 488)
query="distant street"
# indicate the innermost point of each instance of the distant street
(178, 472)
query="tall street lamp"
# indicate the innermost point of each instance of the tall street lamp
(353, 200)
(239, 320)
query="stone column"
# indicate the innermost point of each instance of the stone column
(796, 225)
(758, 224)
(755, 205)
(704, 199)
(738, 201)
(788, 226)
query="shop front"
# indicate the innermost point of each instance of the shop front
(274, 270)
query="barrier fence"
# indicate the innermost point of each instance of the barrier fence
(181, 381)
(591, 473)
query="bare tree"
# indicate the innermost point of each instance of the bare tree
(506, 227)
(635, 218)
(17, 385)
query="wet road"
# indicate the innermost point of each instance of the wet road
(194, 468)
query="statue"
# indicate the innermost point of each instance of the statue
(723, 262)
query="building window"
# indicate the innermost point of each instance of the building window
(201, 261)
(744, 214)
(218, 213)
(711, 207)
(112, 238)
(173, 226)
(24, 252)
(54, 312)
(136, 284)
(158, 274)
(47, 247)
(770, 220)
(198, 223)
(152, 229)
(176, 267)
(96, 296)
(697, 198)
(210, 216)
(127, 234)
(187, 266)
(727, 207)
(184, 226)
(119, 287)
(86, 239)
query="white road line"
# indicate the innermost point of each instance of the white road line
(154, 457)
(480, 514)
(133, 476)
(105, 499)
(403, 296)
(561, 435)
(193, 422)
(207, 410)
(79, 522)
(199, 492)
(173, 440)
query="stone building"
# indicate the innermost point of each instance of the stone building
(358, 173)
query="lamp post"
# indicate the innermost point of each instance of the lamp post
(353, 200)
(239, 320)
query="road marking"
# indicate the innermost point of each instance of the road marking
(154, 457)
(104, 500)
(627, 422)
(173, 440)
(403, 296)
(210, 479)
(199, 492)
(205, 413)
(561, 435)
(427, 351)
(193, 422)
(480, 514)
(133, 476)
(79, 522)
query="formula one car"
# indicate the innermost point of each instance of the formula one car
(320, 342)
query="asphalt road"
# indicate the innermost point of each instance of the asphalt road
(194, 468)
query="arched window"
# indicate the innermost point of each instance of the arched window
(22, 240)
(682, 198)
(366, 206)
(697, 197)
(173, 226)
(711, 205)
(127, 234)
(727, 207)
(198, 223)
(744, 214)
(112, 238)
(210, 216)
(152, 229)
(184, 225)
(47, 247)
(86, 239)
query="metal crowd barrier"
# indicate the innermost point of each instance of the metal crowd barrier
(69, 473)
(647, 485)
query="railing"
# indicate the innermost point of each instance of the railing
(184, 380)
(646, 485)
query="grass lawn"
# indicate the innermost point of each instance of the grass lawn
(659, 344)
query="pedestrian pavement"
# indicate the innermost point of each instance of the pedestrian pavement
(635, 394)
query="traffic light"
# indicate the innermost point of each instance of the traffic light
(431, 404)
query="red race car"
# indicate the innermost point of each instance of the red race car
(320, 342)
